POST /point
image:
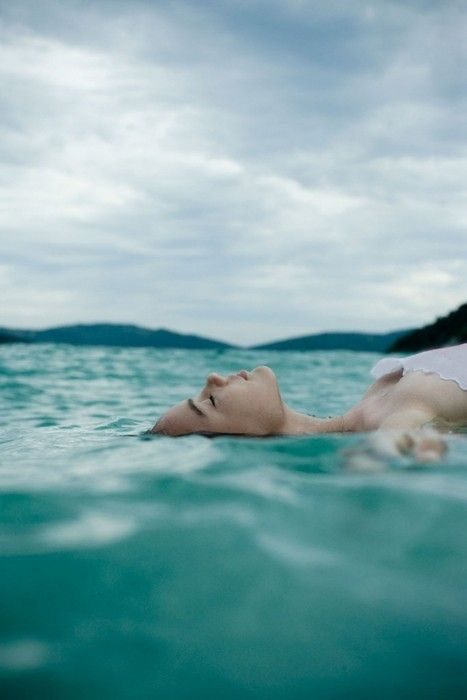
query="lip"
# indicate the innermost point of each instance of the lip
(243, 374)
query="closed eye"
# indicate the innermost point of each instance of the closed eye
(211, 399)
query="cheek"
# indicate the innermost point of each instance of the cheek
(260, 413)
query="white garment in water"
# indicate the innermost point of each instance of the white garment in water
(448, 363)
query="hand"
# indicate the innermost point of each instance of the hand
(423, 445)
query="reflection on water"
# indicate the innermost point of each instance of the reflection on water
(135, 566)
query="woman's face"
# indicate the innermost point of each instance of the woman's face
(246, 403)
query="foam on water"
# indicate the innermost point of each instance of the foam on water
(136, 565)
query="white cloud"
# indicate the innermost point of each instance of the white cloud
(177, 166)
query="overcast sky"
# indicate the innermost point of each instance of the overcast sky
(247, 170)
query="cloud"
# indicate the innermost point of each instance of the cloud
(241, 170)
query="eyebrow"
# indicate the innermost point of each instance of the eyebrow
(195, 408)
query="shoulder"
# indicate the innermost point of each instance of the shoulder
(441, 397)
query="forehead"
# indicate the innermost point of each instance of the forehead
(182, 419)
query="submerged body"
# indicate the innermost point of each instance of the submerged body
(427, 388)
(410, 400)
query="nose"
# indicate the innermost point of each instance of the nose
(216, 379)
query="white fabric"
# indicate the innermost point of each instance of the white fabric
(448, 363)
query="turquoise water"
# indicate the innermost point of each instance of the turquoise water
(136, 567)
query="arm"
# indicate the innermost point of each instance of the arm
(411, 417)
(404, 432)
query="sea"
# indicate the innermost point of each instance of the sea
(138, 566)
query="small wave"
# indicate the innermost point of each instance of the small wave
(117, 424)
(266, 482)
(89, 530)
(291, 552)
(24, 655)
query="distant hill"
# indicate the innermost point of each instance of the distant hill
(447, 330)
(120, 335)
(10, 337)
(365, 342)
(114, 334)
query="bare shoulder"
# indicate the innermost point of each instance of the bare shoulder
(412, 400)
(444, 399)
(384, 383)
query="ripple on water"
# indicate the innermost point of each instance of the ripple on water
(292, 552)
(24, 655)
(117, 424)
(91, 529)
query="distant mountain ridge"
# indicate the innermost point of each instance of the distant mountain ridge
(121, 335)
(446, 330)
(113, 334)
(7, 336)
(366, 342)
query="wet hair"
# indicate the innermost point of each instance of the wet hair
(205, 433)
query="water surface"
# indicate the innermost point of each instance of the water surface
(236, 568)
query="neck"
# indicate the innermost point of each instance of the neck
(296, 423)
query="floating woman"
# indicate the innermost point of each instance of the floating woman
(426, 389)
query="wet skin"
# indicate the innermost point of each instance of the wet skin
(249, 403)
(246, 403)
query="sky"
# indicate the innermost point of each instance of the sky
(247, 170)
